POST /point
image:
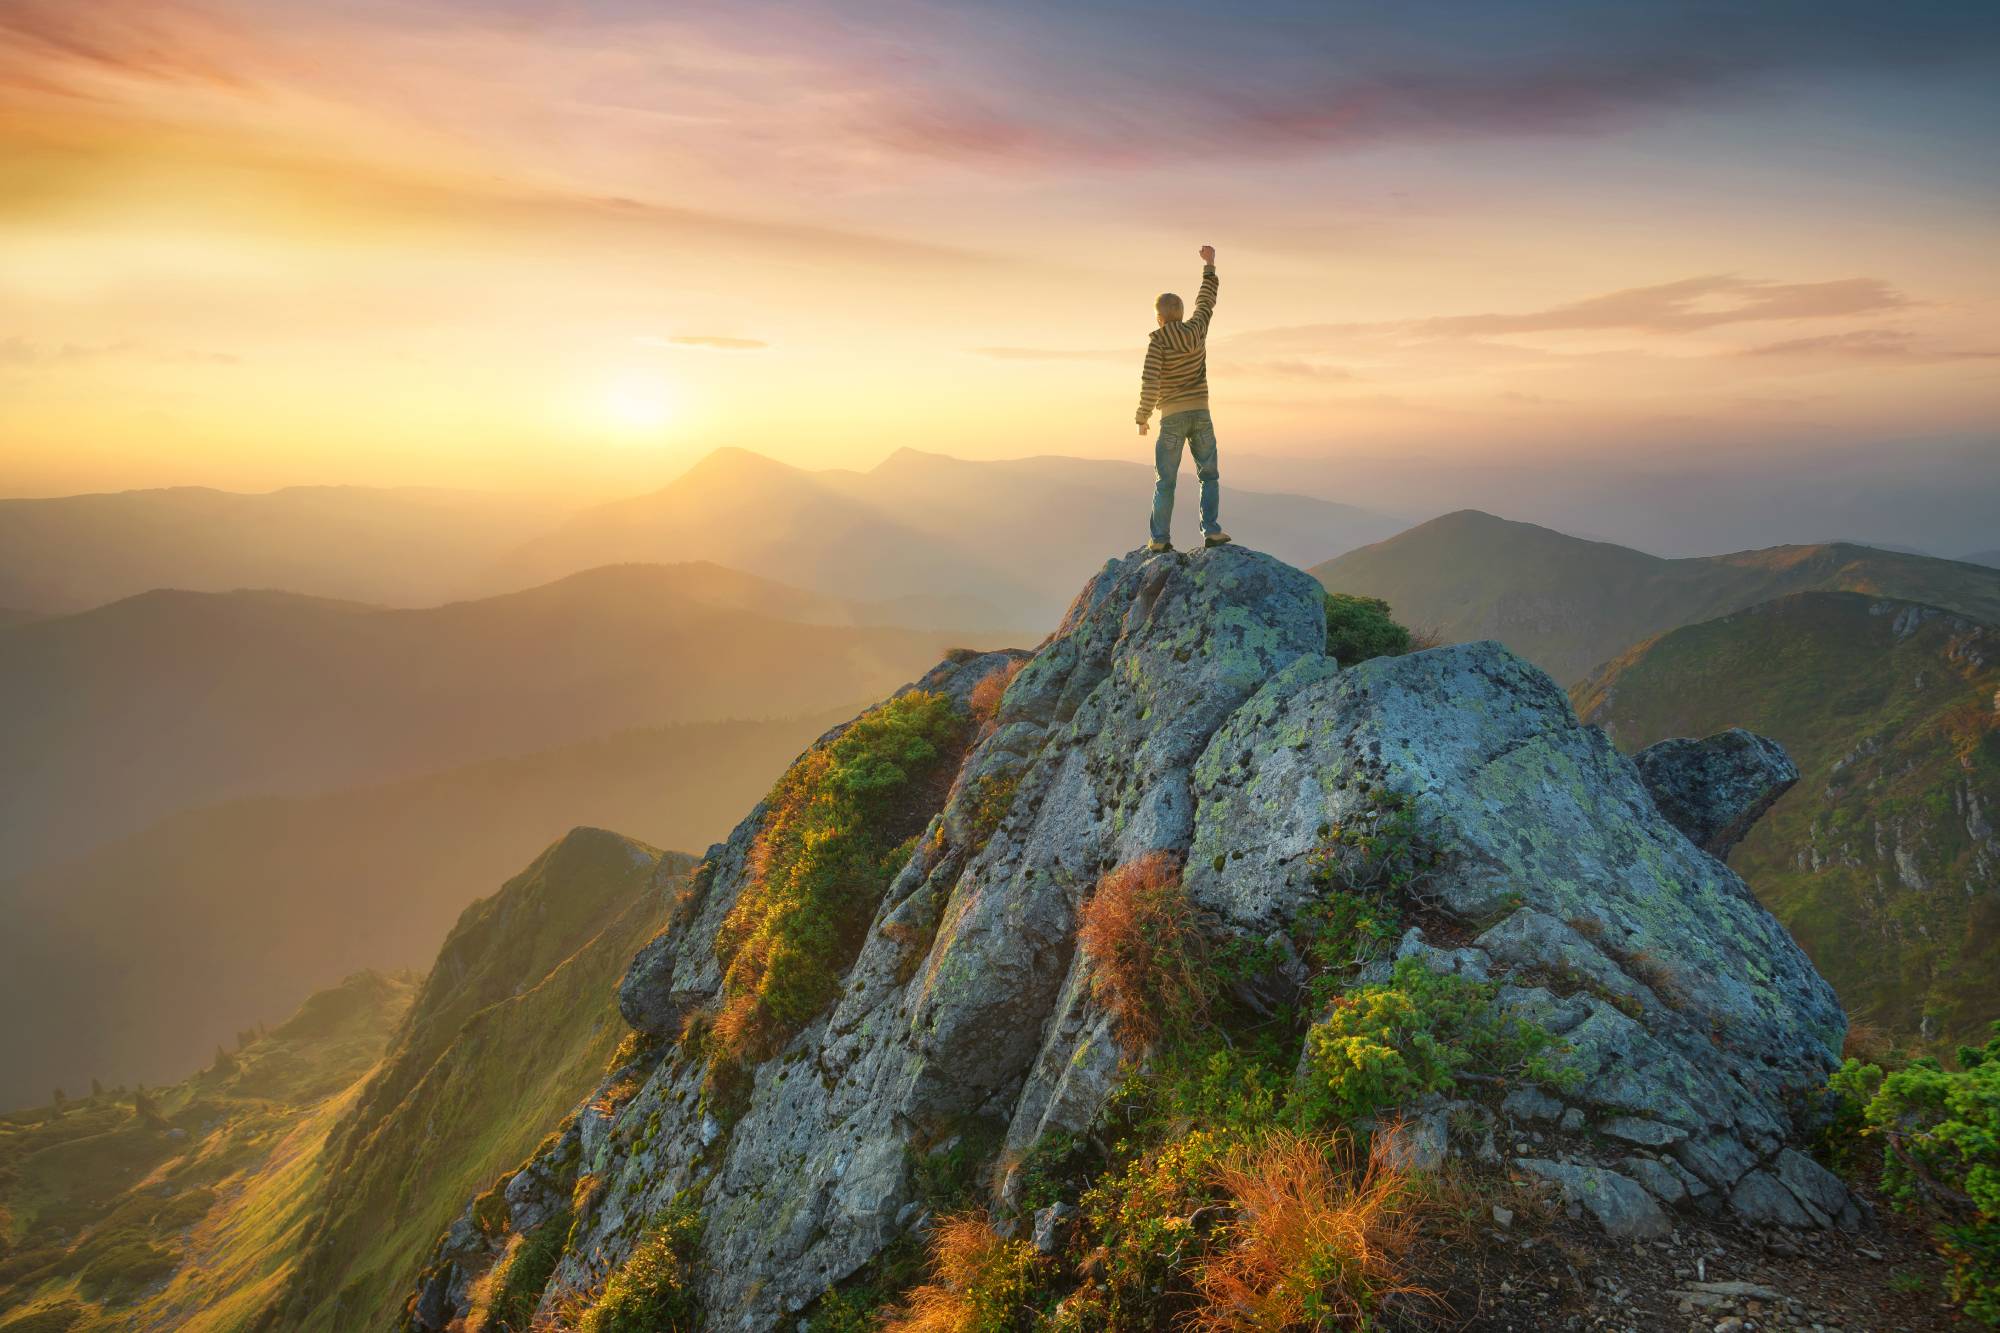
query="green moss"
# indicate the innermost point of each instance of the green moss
(991, 799)
(653, 1290)
(826, 853)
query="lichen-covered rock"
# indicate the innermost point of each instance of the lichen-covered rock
(1715, 788)
(1620, 1205)
(966, 1003)
(1186, 706)
(1686, 1007)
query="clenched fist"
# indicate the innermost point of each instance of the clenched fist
(1208, 254)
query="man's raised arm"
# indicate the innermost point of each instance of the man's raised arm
(1204, 304)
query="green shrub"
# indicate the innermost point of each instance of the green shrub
(1149, 1219)
(653, 1291)
(1940, 1136)
(1382, 1046)
(527, 1276)
(1383, 852)
(1358, 628)
(833, 838)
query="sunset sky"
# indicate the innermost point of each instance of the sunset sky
(571, 245)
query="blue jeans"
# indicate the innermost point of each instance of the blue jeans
(1196, 430)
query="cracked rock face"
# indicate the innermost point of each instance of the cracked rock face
(1715, 788)
(1186, 706)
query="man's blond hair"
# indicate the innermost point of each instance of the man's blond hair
(1169, 306)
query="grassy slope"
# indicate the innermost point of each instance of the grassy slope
(188, 1227)
(1568, 604)
(143, 955)
(515, 1023)
(1895, 731)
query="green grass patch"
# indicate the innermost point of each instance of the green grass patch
(653, 1291)
(50, 1319)
(832, 840)
(527, 1276)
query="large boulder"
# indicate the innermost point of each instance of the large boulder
(1186, 706)
(1715, 788)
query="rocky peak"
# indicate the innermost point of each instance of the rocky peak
(1185, 706)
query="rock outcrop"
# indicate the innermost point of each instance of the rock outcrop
(1715, 788)
(1186, 706)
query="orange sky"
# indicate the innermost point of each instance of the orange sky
(572, 246)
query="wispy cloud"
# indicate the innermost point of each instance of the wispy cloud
(21, 352)
(1868, 345)
(1060, 353)
(1687, 305)
(855, 89)
(45, 44)
(1344, 80)
(714, 342)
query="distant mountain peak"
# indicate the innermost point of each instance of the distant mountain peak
(734, 461)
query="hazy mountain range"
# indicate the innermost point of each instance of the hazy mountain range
(945, 542)
(116, 717)
(1568, 604)
(141, 955)
(231, 799)
(1009, 542)
(403, 547)
(1678, 498)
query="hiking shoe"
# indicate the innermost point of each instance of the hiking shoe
(1216, 539)
(1154, 548)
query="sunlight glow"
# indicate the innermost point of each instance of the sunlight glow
(638, 402)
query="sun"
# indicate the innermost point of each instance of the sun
(638, 402)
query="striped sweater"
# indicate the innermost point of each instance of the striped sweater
(1176, 376)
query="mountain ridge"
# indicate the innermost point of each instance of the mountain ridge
(1013, 534)
(1570, 604)
(200, 697)
(1882, 861)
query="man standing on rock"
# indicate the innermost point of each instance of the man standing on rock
(1176, 381)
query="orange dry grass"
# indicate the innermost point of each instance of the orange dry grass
(1870, 1043)
(1318, 1241)
(1660, 977)
(1148, 961)
(974, 1276)
(984, 701)
(741, 1028)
